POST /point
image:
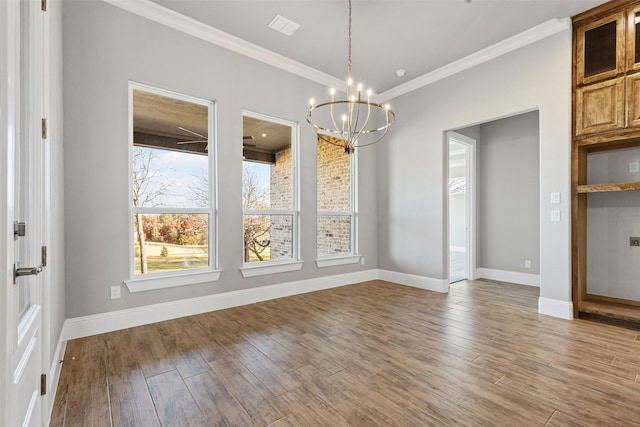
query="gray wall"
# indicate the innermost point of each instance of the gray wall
(104, 48)
(508, 225)
(411, 209)
(613, 267)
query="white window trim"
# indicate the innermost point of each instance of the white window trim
(153, 281)
(294, 263)
(354, 256)
(332, 261)
(270, 267)
(150, 282)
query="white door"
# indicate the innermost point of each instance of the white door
(22, 196)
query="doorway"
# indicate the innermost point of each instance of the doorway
(461, 189)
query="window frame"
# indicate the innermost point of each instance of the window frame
(352, 257)
(175, 278)
(295, 262)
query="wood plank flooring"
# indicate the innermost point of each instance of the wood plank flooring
(370, 354)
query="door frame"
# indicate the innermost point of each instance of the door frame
(470, 196)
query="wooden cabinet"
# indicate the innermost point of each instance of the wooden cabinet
(600, 107)
(606, 57)
(600, 49)
(606, 119)
(633, 100)
(633, 39)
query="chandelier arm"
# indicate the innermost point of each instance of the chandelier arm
(333, 119)
(355, 133)
(327, 140)
(364, 125)
(386, 129)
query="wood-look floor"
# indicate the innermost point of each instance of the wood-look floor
(371, 354)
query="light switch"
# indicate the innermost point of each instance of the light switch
(634, 167)
(555, 215)
(555, 198)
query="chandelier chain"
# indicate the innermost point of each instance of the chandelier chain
(349, 61)
(353, 122)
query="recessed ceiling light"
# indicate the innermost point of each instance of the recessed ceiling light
(401, 72)
(283, 25)
(264, 135)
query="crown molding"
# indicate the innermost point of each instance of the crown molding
(195, 28)
(532, 35)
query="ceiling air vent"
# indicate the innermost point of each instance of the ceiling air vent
(283, 25)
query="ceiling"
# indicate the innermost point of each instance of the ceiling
(173, 124)
(419, 36)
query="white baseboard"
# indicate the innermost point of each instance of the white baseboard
(555, 308)
(508, 276)
(115, 320)
(422, 282)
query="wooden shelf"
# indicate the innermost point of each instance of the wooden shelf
(616, 311)
(605, 188)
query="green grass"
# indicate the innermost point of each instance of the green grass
(180, 257)
(266, 255)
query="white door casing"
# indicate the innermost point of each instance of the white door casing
(21, 192)
(470, 195)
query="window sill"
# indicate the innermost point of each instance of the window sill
(271, 268)
(338, 260)
(142, 284)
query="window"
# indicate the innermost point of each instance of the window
(337, 217)
(172, 213)
(269, 195)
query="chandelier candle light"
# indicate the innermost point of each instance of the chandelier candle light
(352, 122)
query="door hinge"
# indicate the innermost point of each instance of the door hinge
(44, 256)
(44, 128)
(43, 5)
(43, 384)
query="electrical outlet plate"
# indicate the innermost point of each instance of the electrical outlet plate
(634, 242)
(634, 167)
(115, 292)
(527, 263)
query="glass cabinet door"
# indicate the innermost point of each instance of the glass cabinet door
(633, 39)
(600, 49)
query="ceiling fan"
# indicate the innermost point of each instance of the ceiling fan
(203, 139)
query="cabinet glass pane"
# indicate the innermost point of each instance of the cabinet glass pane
(637, 41)
(600, 49)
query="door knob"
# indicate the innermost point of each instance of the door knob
(27, 271)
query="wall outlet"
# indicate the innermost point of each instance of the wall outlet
(555, 198)
(555, 216)
(115, 292)
(634, 241)
(634, 167)
(361, 260)
(527, 263)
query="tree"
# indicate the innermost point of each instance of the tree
(257, 228)
(148, 189)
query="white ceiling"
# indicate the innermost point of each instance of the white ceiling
(417, 35)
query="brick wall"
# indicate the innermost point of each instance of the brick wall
(334, 194)
(281, 225)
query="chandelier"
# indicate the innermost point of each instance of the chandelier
(352, 122)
